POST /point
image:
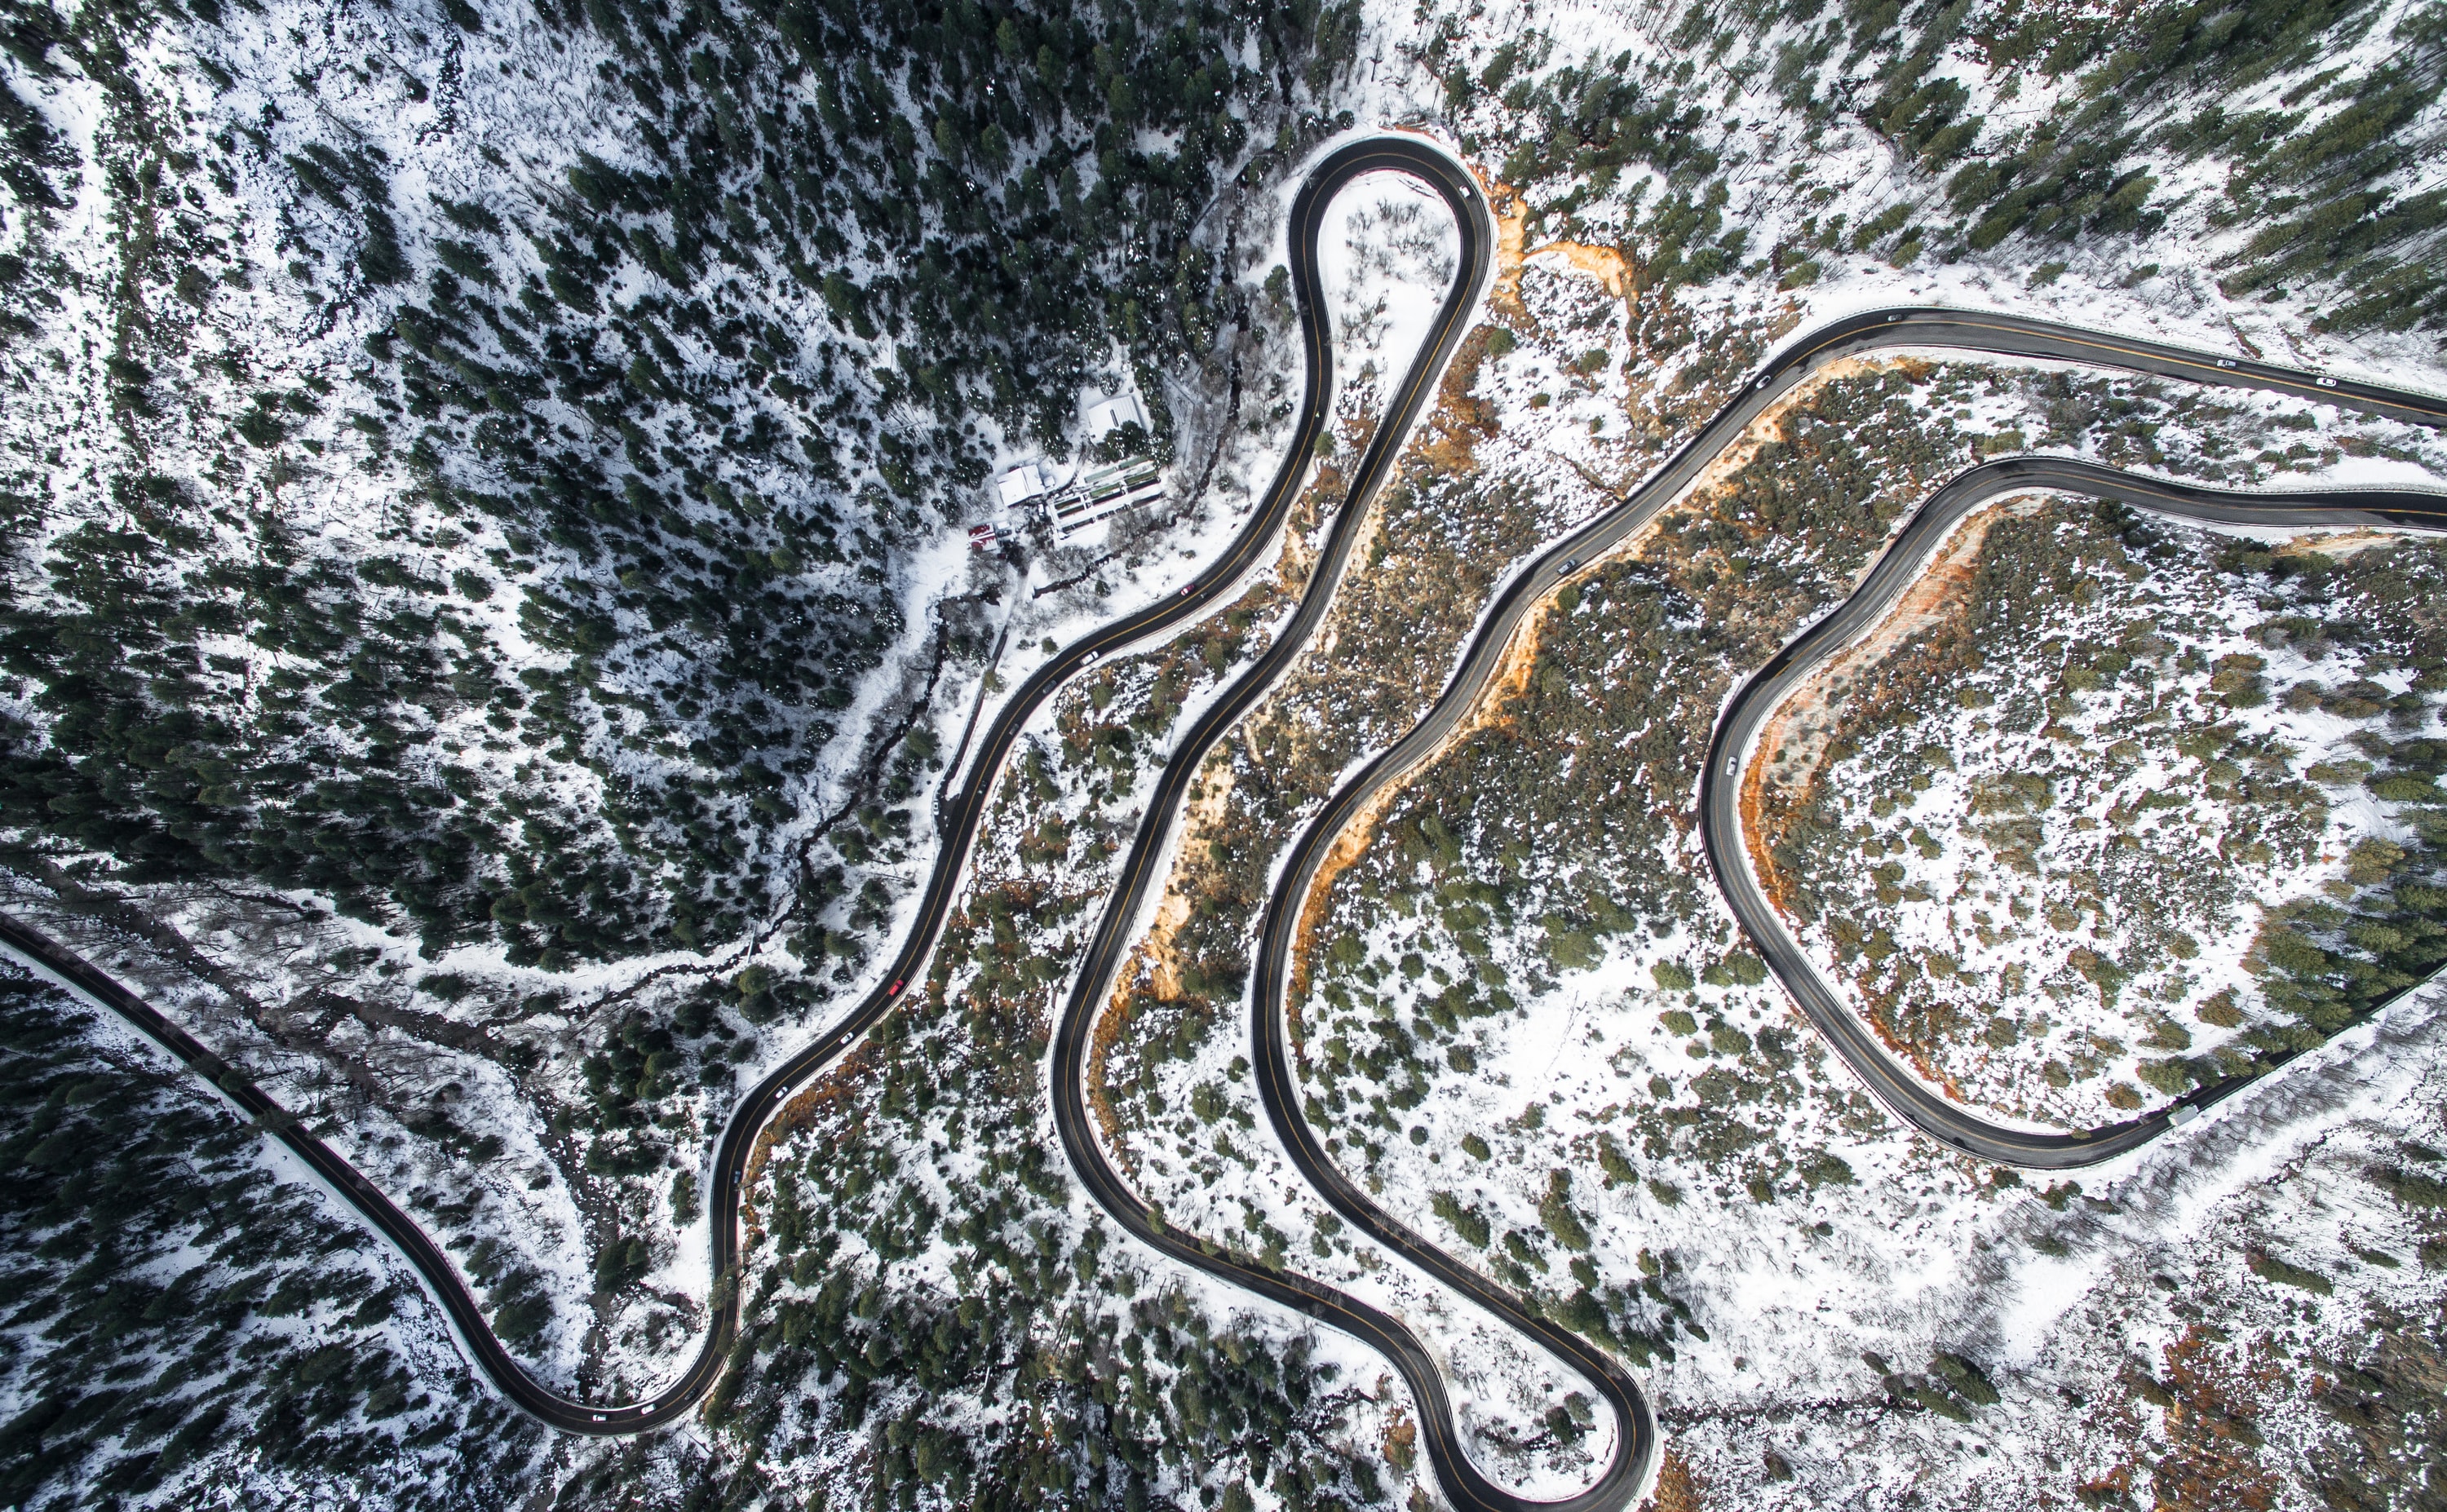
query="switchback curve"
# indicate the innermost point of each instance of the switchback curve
(1143, 874)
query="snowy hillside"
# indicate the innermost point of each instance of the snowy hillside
(513, 516)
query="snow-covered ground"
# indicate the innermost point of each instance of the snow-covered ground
(1791, 174)
(1737, 1195)
(2044, 949)
(2191, 1322)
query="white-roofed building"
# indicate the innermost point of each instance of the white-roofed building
(1106, 416)
(1020, 485)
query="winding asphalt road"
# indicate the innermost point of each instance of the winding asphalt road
(961, 814)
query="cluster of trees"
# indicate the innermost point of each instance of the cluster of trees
(1584, 123)
(1572, 130)
(2324, 192)
(1615, 1316)
(1637, 1319)
(1106, 746)
(1953, 1387)
(147, 757)
(2321, 174)
(966, 202)
(632, 1109)
(2331, 961)
(985, 158)
(518, 1294)
(2176, 427)
(1388, 1046)
(178, 1319)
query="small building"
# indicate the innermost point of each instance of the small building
(1020, 485)
(1106, 416)
(981, 537)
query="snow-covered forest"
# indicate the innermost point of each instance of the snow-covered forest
(488, 607)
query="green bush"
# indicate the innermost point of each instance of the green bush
(2268, 1267)
(1611, 1160)
(2412, 1188)
(1555, 1212)
(2173, 1077)
(1968, 1381)
(1467, 1222)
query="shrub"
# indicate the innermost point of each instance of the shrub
(2268, 1267)
(1968, 1380)
(1612, 1160)
(1468, 1222)
(2412, 1188)
(522, 1318)
(1555, 1211)
(2173, 1076)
